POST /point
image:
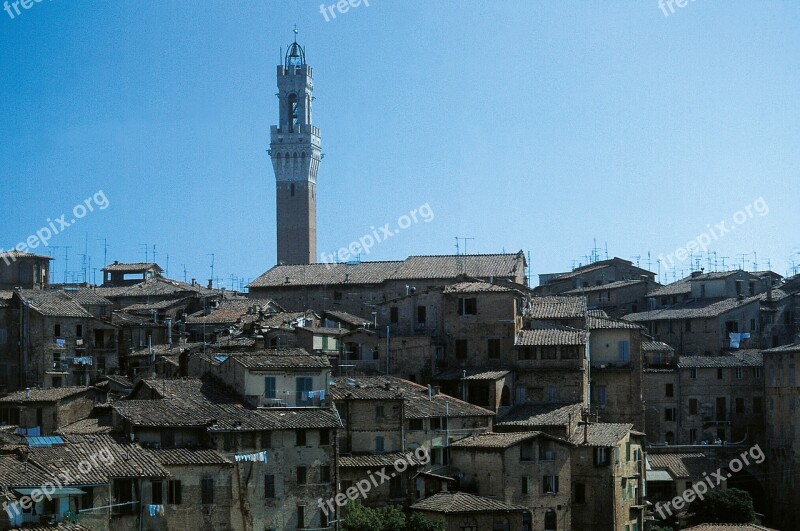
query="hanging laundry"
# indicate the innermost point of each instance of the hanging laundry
(735, 339)
(260, 457)
(155, 510)
(322, 395)
(311, 394)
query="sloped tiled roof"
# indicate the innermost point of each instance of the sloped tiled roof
(417, 404)
(158, 287)
(475, 287)
(794, 347)
(551, 336)
(461, 502)
(13, 255)
(376, 460)
(611, 285)
(473, 374)
(596, 322)
(601, 434)
(88, 297)
(87, 426)
(728, 527)
(412, 268)
(693, 309)
(679, 287)
(128, 460)
(134, 267)
(495, 440)
(290, 358)
(54, 303)
(45, 395)
(534, 415)
(656, 346)
(741, 358)
(680, 464)
(16, 473)
(347, 318)
(557, 307)
(232, 311)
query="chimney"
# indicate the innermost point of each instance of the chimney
(210, 283)
(696, 274)
(194, 282)
(168, 323)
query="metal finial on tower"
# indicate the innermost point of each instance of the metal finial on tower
(295, 33)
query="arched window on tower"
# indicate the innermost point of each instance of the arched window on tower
(308, 109)
(293, 119)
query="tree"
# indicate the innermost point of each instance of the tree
(732, 506)
(360, 518)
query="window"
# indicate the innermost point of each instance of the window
(719, 374)
(552, 394)
(688, 325)
(602, 395)
(396, 487)
(380, 412)
(669, 391)
(549, 484)
(670, 414)
(739, 406)
(791, 374)
(624, 351)
(494, 349)
(693, 406)
(693, 373)
(324, 437)
(302, 475)
(549, 353)
(269, 486)
(439, 423)
(379, 444)
(467, 306)
(301, 516)
(174, 492)
(547, 450)
(293, 110)
(753, 325)
(757, 405)
(739, 373)
(269, 387)
(421, 315)
(337, 295)
(526, 485)
(569, 352)
(415, 425)
(580, 493)
(156, 492)
(300, 437)
(461, 349)
(207, 491)
(692, 435)
(266, 440)
(722, 410)
(550, 520)
(324, 474)
(526, 451)
(527, 353)
(57, 330)
(757, 372)
(394, 315)
(304, 384)
(601, 456)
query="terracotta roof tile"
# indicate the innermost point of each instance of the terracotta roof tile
(551, 336)
(557, 307)
(461, 502)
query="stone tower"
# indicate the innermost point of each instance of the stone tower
(295, 152)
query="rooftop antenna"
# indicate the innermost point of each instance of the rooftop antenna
(167, 271)
(465, 238)
(146, 251)
(649, 262)
(212, 266)
(723, 258)
(154, 252)
(637, 257)
(743, 256)
(184, 272)
(105, 250)
(606, 250)
(755, 260)
(66, 261)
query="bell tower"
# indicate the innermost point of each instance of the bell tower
(295, 153)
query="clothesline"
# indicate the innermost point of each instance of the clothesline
(258, 457)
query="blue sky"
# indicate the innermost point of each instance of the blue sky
(524, 125)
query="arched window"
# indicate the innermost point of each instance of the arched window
(292, 101)
(550, 520)
(670, 437)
